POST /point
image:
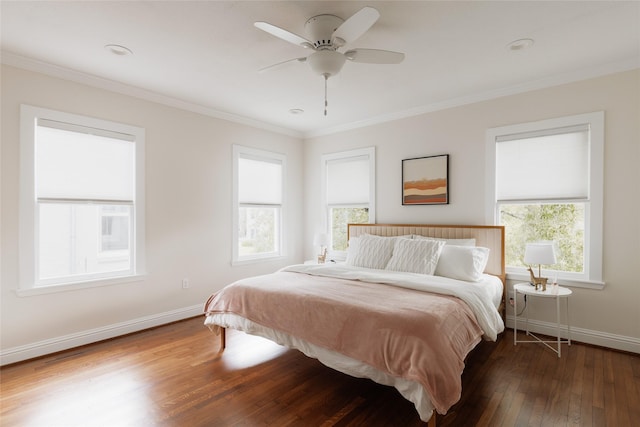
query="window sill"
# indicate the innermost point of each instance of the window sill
(570, 283)
(65, 287)
(257, 260)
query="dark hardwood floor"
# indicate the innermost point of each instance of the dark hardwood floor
(174, 375)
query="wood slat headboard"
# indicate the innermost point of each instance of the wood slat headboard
(488, 236)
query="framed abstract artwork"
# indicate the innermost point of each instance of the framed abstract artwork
(425, 180)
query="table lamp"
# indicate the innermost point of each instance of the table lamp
(321, 240)
(539, 253)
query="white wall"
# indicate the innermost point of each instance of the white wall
(188, 217)
(188, 176)
(608, 317)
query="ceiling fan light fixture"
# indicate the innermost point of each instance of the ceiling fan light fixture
(325, 35)
(326, 62)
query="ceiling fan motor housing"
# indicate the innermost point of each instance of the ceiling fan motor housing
(319, 30)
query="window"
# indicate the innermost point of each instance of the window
(82, 198)
(349, 193)
(547, 186)
(258, 192)
(115, 223)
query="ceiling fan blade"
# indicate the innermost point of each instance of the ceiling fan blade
(283, 34)
(355, 26)
(374, 56)
(270, 67)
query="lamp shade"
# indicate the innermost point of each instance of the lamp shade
(321, 239)
(539, 253)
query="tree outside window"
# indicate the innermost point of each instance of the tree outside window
(340, 218)
(562, 223)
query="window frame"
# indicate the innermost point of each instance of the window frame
(269, 156)
(370, 153)
(28, 283)
(594, 204)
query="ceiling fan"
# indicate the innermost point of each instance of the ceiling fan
(327, 35)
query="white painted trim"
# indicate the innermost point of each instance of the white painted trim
(28, 208)
(588, 336)
(41, 348)
(268, 156)
(30, 64)
(52, 345)
(578, 283)
(557, 80)
(594, 208)
(43, 290)
(370, 153)
(34, 65)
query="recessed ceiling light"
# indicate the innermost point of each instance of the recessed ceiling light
(117, 49)
(296, 111)
(520, 44)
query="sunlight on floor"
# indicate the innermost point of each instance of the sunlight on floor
(254, 351)
(94, 401)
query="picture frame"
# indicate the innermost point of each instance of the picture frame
(425, 180)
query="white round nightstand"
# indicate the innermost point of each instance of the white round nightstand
(553, 291)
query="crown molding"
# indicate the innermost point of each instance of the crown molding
(63, 73)
(30, 64)
(557, 80)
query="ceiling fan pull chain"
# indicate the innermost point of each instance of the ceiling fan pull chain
(326, 104)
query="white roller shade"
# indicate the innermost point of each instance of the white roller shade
(77, 163)
(348, 181)
(259, 181)
(550, 165)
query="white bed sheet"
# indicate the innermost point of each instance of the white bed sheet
(484, 297)
(410, 390)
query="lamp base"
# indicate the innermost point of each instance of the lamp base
(540, 283)
(322, 256)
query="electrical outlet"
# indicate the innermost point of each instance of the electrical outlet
(185, 283)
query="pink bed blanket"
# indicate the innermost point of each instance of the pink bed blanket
(407, 333)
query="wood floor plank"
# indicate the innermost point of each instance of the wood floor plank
(490, 410)
(577, 387)
(586, 405)
(176, 375)
(632, 386)
(598, 378)
(513, 411)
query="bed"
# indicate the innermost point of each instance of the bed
(405, 309)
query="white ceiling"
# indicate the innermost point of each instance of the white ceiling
(204, 55)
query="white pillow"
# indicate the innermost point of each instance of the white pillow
(462, 262)
(370, 251)
(457, 242)
(353, 247)
(415, 256)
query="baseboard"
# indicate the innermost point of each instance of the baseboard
(41, 348)
(602, 339)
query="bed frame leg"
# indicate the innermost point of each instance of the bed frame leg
(432, 420)
(223, 340)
